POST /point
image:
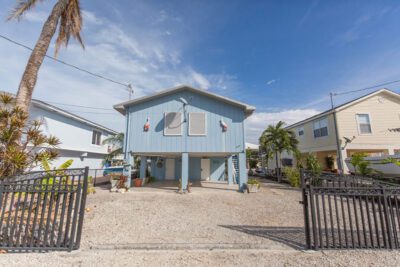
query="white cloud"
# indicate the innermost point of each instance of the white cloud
(148, 61)
(200, 80)
(259, 121)
(271, 82)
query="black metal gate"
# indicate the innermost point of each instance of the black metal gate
(43, 210)
(347, 212)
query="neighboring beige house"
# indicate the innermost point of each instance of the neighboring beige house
(369, 124)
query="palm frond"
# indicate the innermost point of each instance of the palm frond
(70, 25)
(21, 7)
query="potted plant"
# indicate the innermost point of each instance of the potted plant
(253, 185)
(114, 178)
(137, 182)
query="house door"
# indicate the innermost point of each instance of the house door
(169, 169)
(205, 169)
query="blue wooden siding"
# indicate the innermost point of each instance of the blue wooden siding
(217, 169)
(215, 140)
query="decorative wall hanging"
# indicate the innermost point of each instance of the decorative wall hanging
(224, 126)
(146, 125)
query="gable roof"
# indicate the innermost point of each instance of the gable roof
(122, 106)
(51, 108)
(345, 105)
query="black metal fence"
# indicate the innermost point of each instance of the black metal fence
(349, 212)
(43, 210)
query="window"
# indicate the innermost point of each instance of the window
(173, 123)
(300, 131)
(197, 123)
(321, 128)
(96, 137)
(364, 124)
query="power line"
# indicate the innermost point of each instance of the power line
(93, 112)
(79, 106)
(128, 86)
(364, 89)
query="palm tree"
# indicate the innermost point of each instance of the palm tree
(278, 139)
(117, 141)
(66, 15)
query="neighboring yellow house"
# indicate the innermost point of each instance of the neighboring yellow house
(369, 124)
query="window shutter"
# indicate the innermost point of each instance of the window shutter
(197, 123)
(173, 123)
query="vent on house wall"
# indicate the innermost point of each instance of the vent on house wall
(197, 123)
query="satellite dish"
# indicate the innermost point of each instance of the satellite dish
(348, 140)
(183, 100)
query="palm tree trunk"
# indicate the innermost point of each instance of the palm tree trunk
(29, 78)
(278, 174)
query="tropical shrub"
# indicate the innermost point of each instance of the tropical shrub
(313, 165)
(361, 166)
(23, 146)
(293, 176)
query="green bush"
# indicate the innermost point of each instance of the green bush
(293, 176)
(313, 164)
(253, 163)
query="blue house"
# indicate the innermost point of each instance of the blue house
(187, 133)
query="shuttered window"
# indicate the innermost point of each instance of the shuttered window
(364, 123)
(197, 123)
(173, 123)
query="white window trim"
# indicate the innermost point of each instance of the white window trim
(165, 124)
(358, 123)
(327, 128)
(205, 126)
(101, 134)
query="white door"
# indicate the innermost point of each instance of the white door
(169, 169)
(205, 169)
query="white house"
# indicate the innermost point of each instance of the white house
(81, 139)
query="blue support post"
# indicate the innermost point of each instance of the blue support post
(230, 169)
(242, 172)
(185, 171)
(143, 167)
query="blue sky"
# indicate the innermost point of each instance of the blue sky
(284, 57)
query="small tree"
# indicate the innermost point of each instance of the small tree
(19, 155)
(278, 139)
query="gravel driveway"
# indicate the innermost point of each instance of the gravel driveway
(214, 225)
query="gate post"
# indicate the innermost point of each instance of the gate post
(305, 209)
(81, 210)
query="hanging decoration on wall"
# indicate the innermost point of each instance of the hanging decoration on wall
(224, 126)
(146, 125)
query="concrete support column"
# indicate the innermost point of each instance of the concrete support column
(185, 171)
(230, 169)
(242, 171)
(143, 167)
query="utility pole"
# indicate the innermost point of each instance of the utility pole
(338, 147)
